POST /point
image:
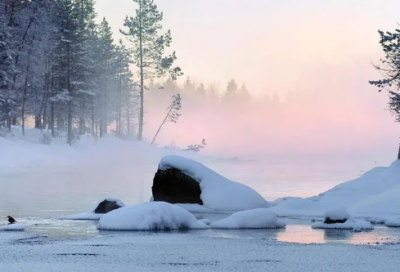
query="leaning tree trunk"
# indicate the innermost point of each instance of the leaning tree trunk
(398, 154)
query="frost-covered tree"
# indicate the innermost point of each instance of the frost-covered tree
(389, 67)
(6, 63)
(143, 30)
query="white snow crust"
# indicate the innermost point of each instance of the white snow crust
(12, 227)
(352, 224)
(217, 192)
(83, 216)
(337, 214)
(393, 222)
(195, 208)
(373, 195)
(149, 216)
(251, 219)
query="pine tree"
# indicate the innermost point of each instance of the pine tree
(149, 46)
(390, 68)
(6, 63)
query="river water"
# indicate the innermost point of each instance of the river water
(38, 196)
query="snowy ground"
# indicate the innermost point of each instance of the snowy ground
(190, 252)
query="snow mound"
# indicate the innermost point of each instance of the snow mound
(83, 216)
(217, 192)
(251, 219)
(352, 224)
(300, 207)
(393, 222)
(12, 227)
(384, 204)
(149, 216)
(337, 214)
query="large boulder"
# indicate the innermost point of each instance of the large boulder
(108, 205)
(184, 181)
(173, 186)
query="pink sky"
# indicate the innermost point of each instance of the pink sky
(323, 48)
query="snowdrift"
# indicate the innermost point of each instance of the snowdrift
(12, 227)
(352, 224)
(373, 195)
(151, 216)
(393, 222)
(251, 219)
(217, 192)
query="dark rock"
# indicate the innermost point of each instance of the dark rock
(173, 186)
(107, 206)
(330, 221)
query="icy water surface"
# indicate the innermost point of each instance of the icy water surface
(38, 197)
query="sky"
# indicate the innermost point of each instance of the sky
(324, 48)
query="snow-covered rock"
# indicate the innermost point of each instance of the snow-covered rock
(108, 204)
(217, 192)
(251, 219)
(104, 206)
(352, 224)
(150, 216)
(336, 215)
(393, 222)
(12, 227)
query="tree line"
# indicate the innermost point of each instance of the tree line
(64, 69)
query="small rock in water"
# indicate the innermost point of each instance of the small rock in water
(107, 206)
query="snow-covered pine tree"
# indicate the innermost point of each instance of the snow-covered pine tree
(143, 31)
(125, 99)
(107, 72)
(6, 63)
(389, 67)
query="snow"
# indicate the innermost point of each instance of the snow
(150, 216)
(337, 214)
(393, 222)
(12, 227)
(251, 219)
(352, 224)
(300, 207)
(190, 252)
(217, 192)
(371, 196)
(195, 208)
(83, 216)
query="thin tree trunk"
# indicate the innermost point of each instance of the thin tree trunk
(398, 154)
(141, 111)
(24, 99)
(52, 120)
(163, 122)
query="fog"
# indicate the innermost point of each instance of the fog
(319, 53)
